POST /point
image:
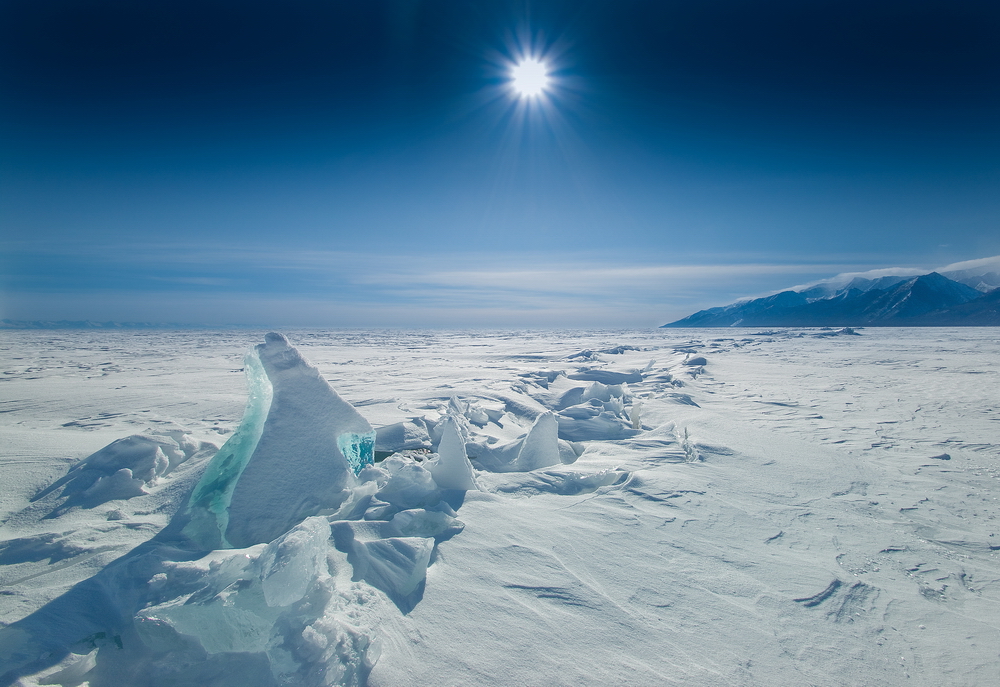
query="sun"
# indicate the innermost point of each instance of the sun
(529, 77)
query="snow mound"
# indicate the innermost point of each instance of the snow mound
(564, 483)
(52, 545)
(122, 469)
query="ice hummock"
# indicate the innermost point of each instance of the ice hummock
(296, 452)
(539, 448)
(279, 604)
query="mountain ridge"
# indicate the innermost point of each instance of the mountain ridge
(920, 301)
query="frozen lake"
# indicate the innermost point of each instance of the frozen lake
(803, 507)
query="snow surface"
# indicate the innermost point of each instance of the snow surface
(796, 507)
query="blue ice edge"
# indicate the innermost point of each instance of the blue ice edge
(208, 506)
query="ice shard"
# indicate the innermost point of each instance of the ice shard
(296, 452)
(452, 469)
(539, 448)
(359, 449)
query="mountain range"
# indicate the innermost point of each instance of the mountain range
(928, 300)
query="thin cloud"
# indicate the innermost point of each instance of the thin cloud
(588, 278)
(189, 282)
(846, 277)
(993, 262)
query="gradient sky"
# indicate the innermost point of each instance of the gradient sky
(366, 164)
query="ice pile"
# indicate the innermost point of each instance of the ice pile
(288, 606)
(295, 546)
(269, 576)
(600, 414)
(539, 448)
(301, 464)
(304, 606)
(588, 411)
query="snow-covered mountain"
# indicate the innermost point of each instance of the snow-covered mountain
(894, 300)
(977, 279)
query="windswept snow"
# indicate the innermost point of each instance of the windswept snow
(781, 507)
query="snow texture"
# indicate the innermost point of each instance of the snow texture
(806, 507)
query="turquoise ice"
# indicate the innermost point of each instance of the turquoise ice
(359, 449)
(208, 506)
(296, 453)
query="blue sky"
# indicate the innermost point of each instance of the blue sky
(367, 164)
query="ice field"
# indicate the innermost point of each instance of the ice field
(692, 507)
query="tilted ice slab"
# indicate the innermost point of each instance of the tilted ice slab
(296, 452)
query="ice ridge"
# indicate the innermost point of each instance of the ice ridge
(297, 451)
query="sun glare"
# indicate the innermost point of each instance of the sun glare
(530, 77)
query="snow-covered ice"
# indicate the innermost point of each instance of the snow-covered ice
(295, 453)
(782, 507)
(452, 468)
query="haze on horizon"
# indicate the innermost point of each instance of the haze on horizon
(367, 164)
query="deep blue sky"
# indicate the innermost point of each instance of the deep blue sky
(365, 163)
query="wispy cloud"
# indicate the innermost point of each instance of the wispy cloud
(575, 278)
(176, 282)
(845, 277)
(194, 281)
(992, 263)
